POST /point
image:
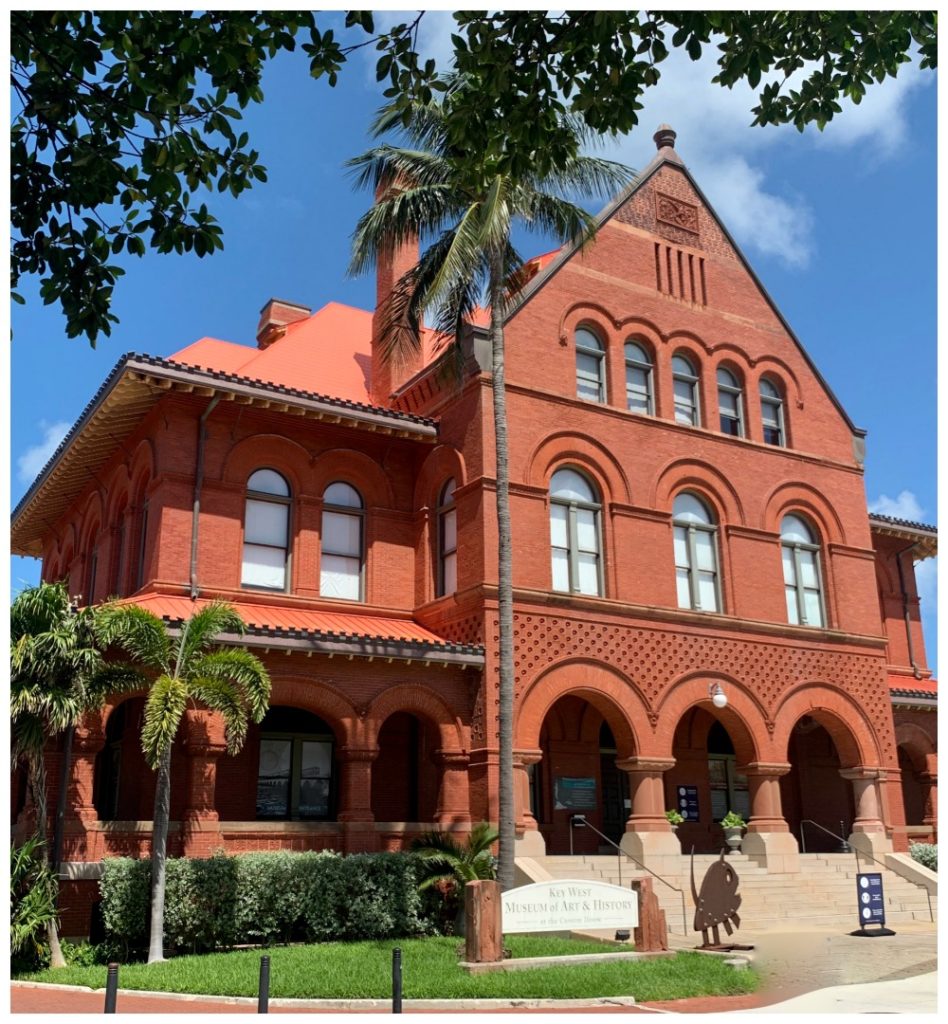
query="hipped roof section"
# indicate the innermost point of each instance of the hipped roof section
(135, 384)
(924, 538)
(667, 155)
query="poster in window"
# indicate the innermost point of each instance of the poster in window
(315, 771)
(273, 778)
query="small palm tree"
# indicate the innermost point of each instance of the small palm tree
(187, 671)
(57, 673)
(431, 189)
(32, 899)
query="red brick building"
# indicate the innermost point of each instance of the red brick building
(688, 512)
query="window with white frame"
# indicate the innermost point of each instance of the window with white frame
(638, 379)
(447, 541)
(801, 572)
(771, 413)
(341, 560)
(730, 403)
(266, 531)
(590, 366)
(686, 391)
(575, 534)
(696, 557)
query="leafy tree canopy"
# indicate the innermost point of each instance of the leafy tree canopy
(124, 115)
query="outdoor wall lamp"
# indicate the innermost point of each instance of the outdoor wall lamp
(717, 695)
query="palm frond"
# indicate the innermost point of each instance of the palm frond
(241, 671)
(163, 710)
(113, 677)
(220, 696)
(386, 166)
(202, 630)
(137, 632)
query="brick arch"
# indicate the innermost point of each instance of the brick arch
(583, 313)
(744, 717)
(694, 344)
(730, 357)
(358, 469)
(440, 465)
(708, 481)
(321, 700)
(93, 520)
(267, 451)
(781, 373)
(564, 448)
(636, 328)
(611, 692)
(841, 716)
(916, 742)
(118, 494)
(143, 467)
(795, 495)
(422, 702)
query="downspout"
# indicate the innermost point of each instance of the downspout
(198, 481)
(916, 671)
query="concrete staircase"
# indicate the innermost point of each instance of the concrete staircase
(822, 895)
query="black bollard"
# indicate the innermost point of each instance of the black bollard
(111, 988)
(263, 994)
(396, 980)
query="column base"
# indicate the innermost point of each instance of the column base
(530, 844)
(876, 844)
(658, 851)
(775, 851)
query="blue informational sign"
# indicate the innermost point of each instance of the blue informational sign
(574, 794)
(871, 902)
(687, 801)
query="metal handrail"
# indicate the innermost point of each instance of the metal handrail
(619, 854)
(856, 851)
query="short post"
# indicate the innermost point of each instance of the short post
(111, 988)
(396, 980)
(843, 846)
(263, 993)
(483, 927)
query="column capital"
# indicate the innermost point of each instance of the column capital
(359, 753)
(773, 770)
(645, 764)
(453, 758)
(524, 758)
(864, 772)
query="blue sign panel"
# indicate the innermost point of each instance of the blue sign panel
(574, 794)
(687, 802)
(869, 895)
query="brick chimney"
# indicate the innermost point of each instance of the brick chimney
(275, 316)
(389, 375)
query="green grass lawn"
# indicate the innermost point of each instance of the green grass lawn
(354, 970)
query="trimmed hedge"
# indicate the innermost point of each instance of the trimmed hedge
(268, 897)
(926, 854)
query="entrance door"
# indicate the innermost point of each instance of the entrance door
(614, 787)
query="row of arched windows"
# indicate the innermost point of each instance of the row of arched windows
(640, 389)
(576, 545)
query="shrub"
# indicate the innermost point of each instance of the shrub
(926, 854)
(32, 904)
(201, 902)
(124, 886)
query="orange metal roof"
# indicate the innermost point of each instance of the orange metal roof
(264, 617)
(910, 683)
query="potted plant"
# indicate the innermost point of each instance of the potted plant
(733, 825)
(674, 818)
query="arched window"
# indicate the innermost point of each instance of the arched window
(266, 531)
(92, 567)
(771, 412)
(686, 391)
(730, 404)
(638, 379)
(447, 541)
(575, 533)
(340, 571)
(696, 558)
(590, 366)
(801, 572)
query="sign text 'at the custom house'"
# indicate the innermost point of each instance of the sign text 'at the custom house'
(567, 904)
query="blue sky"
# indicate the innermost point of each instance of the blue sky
(841, 229)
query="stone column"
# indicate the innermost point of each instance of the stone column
(355, 812)
(82, 838)
(204, 744)
(930, 776)
(768, 840)
(454, 805)
(868, 832)
(529, 842)
(648, 836)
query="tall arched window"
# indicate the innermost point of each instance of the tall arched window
(575, 533)
(771, 412)
(266, 531)
(686, 391)
(696, 557)
(447, 541)
(92, 567)
(340, 571)
(801, 572)
(638, 379)
(590, 366)
(730, 404)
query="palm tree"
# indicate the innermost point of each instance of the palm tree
(432, 189)
(57, 673)
(187, 671)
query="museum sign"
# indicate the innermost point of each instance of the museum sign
(565, 905)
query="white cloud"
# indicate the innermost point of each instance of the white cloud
(926, 579)
(904, 506)
(33, 459)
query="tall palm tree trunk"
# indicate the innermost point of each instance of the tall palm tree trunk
(159, 846)
(507, 838)
(36, 766)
